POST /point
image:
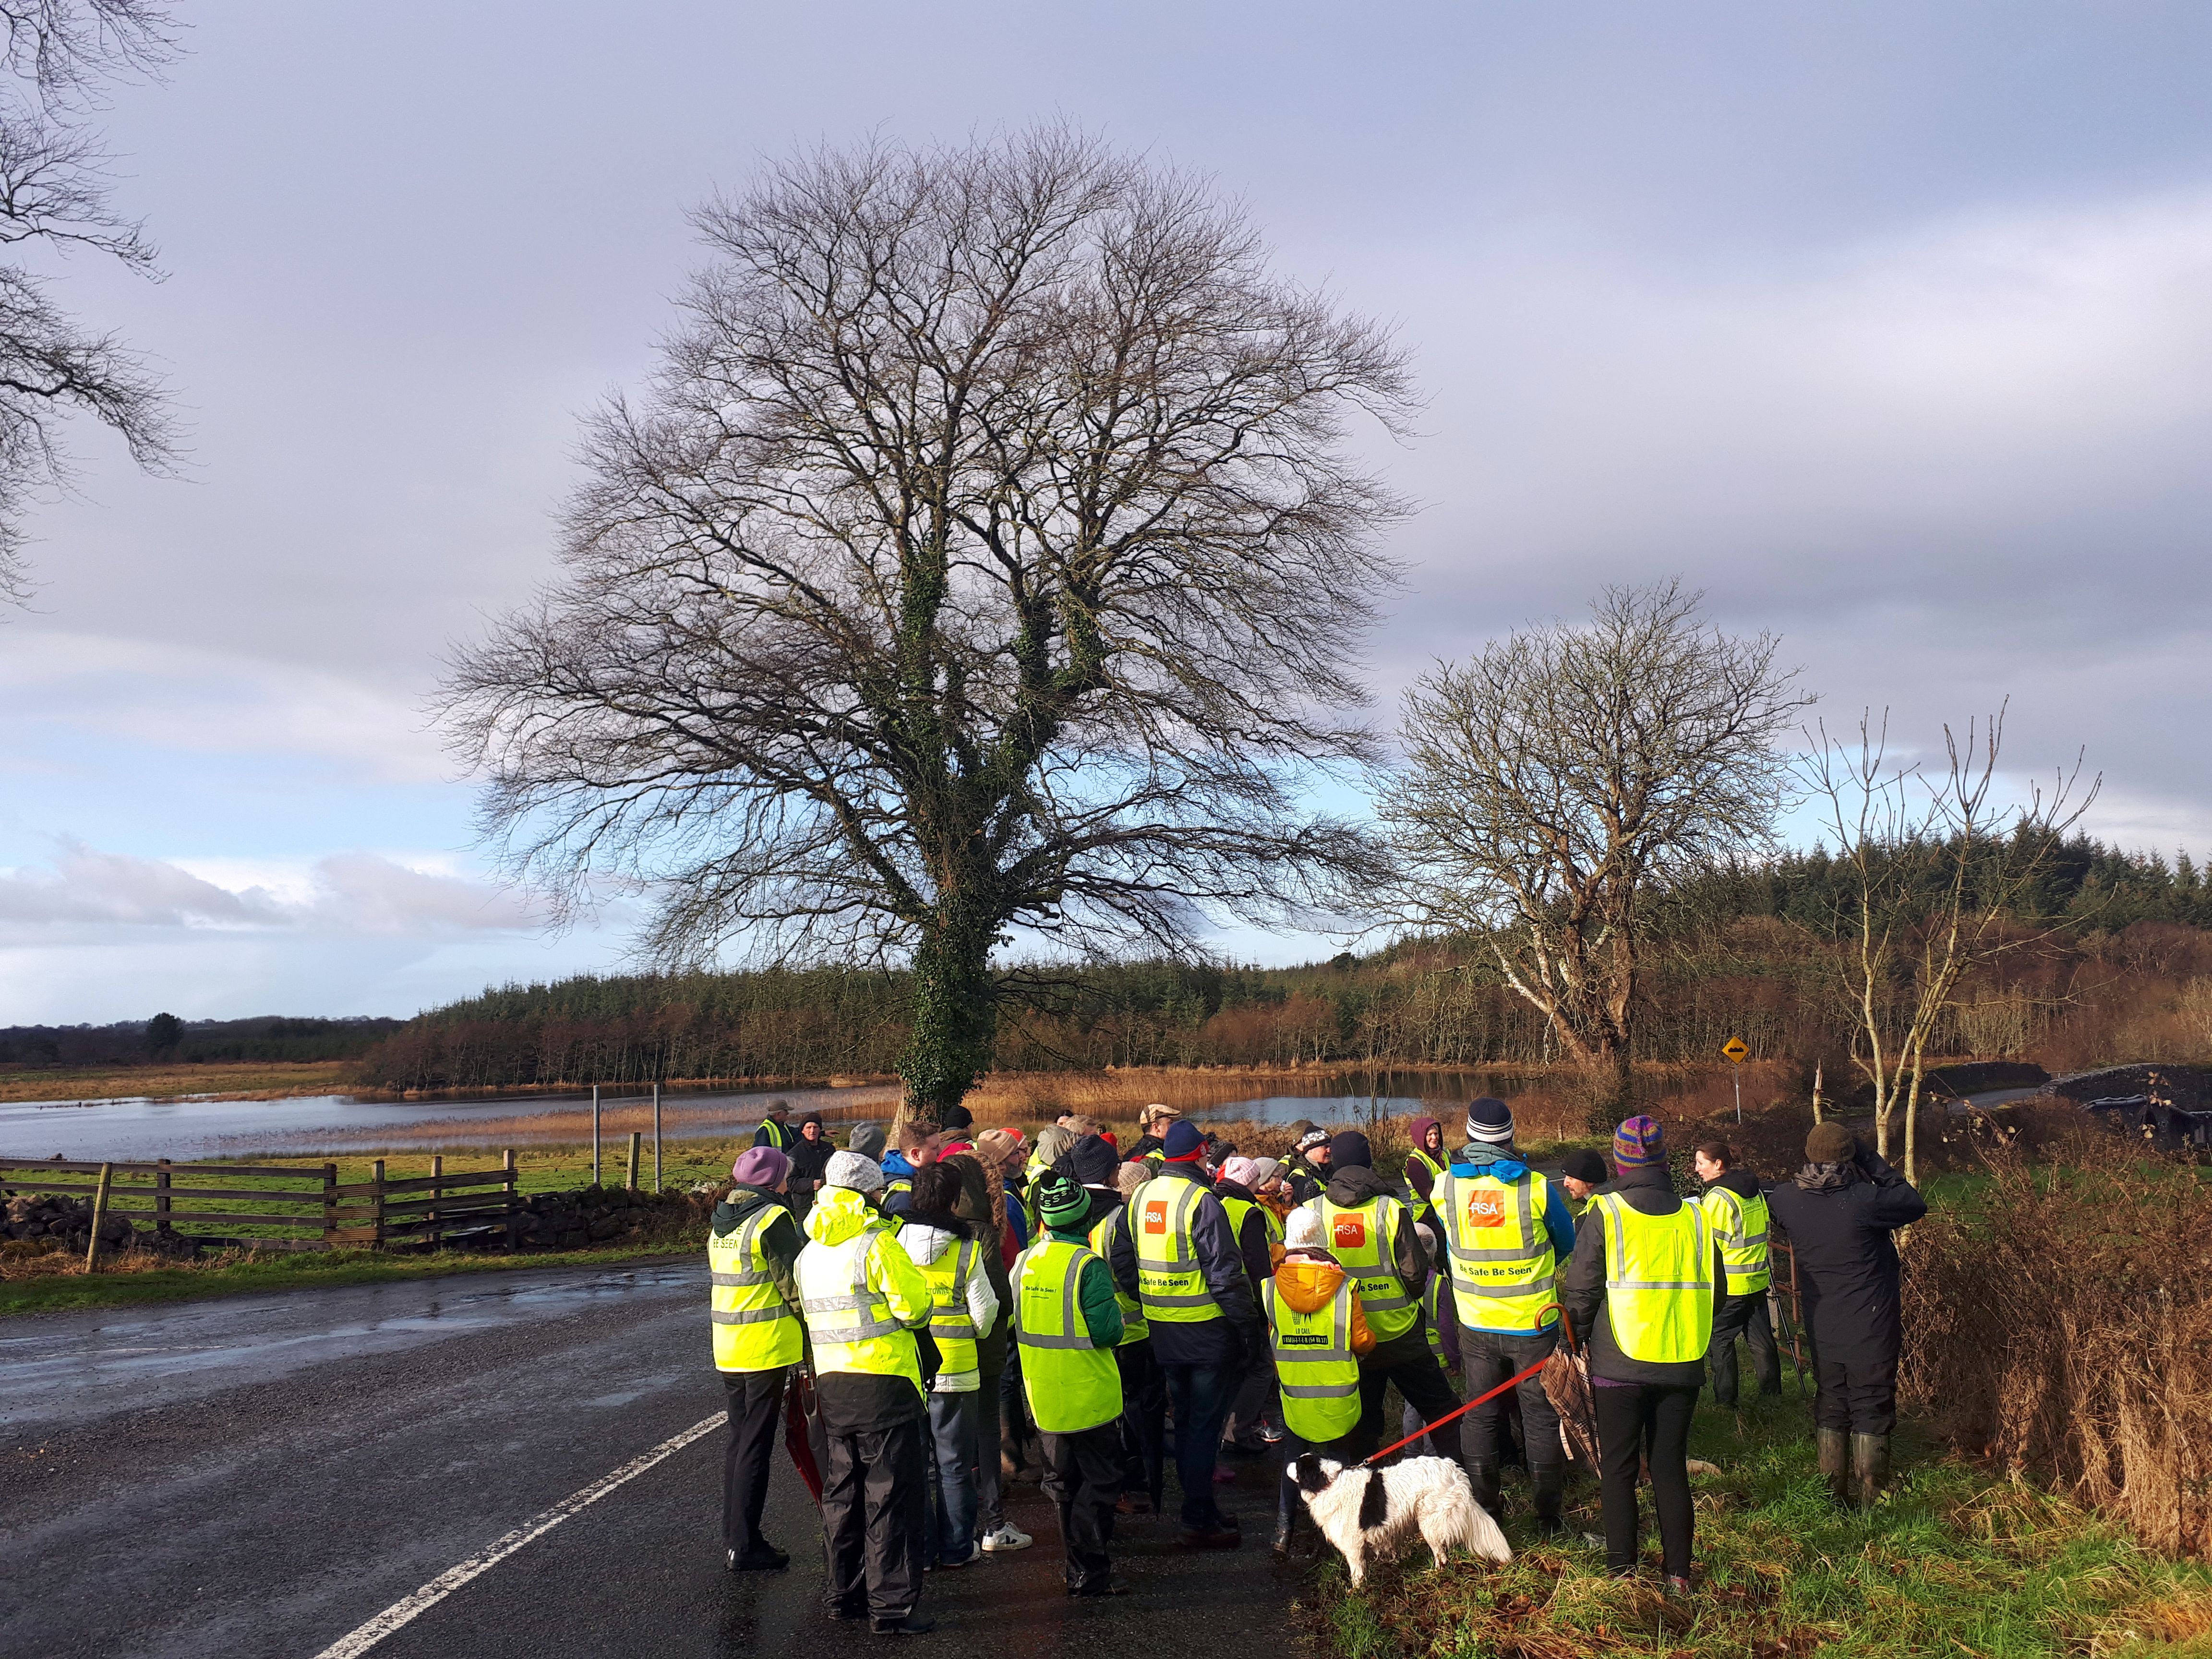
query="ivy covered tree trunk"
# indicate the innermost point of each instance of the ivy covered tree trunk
(955, 1018)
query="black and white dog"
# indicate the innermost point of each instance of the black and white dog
(1365, 1511)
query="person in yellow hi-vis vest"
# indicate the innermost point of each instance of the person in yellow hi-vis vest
(1067, 1321)
(1318, 1334)
(1737, 1209)
(951, 1257)
(752, 1245)
(1506, 1231)
(775, 1130)
(864, 1299)
(1640, 1290)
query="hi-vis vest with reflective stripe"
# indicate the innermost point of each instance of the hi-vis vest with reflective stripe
(1134, 1328)
(1739, 1226)
(950, 1322)
(1658, 1280)
(1237, 1208)
(753, 1331)
(1315, 1366)
(1071, 1384)
(850, 1322)
(779, 1136)
(1431, 1305)
(1425, 1207)
(1169, 1281)
(1503, 1265)
(1364, 1242)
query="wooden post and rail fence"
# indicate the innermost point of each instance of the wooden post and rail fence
(292, 1208)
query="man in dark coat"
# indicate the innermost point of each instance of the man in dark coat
(1838, 1214)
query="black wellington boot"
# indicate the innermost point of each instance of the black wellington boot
(1835, 1465)
(1870, 1467)
(1483, 1478)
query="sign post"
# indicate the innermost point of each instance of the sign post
(1737, 1051)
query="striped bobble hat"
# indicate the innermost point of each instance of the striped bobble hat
(1639, 1143)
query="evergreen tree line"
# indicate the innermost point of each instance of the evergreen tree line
(2122, 968)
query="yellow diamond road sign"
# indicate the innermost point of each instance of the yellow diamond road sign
(1735, 1049)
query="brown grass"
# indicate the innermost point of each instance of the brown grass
(231, 1081)
(2062, 1327)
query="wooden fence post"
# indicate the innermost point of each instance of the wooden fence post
(437, 1192)
(376, 1201)
(656, 1136)
(512, 1188)
(635, 1136)
(329, 1205)
(595, 1134)
(98, 1215)
(161, 1194)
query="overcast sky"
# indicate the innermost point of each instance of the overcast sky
(1888, 325)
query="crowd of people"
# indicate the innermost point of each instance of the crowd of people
(966, 1307)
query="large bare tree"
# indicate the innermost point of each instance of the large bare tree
(1554, 780)
(985, 559)
(57, 55)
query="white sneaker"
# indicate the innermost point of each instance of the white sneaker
(1008, 1537)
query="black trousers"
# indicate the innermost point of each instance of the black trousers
(1288, 1499)
(1745, 1316)
(1628, 1416)
(754, 1402)
(1143, 1420)
(1487, 1358)
(1420, 1380)
(1082, 1477)
(1858, 1392)
(874, 1512)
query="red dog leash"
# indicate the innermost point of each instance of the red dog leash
(1517, 1376)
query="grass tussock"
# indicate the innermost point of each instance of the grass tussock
(2061, 1325)
(1955, 1561)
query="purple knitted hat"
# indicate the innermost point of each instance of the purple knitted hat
(760, 1166)
(1637, 1144)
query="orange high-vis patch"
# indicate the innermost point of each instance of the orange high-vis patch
(1486, 1207)
(1350, 1232)
(1156, 1215)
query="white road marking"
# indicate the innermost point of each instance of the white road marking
(399, 1612)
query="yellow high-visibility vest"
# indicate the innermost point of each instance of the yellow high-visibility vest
(1740, 1227)
(950, 1322)
(1316, 1369)
(1658, 1280)
(754, 1330)
(1503, 1269)
(778, 1136)
(1072, 1384)
(1364, 1239)
(1169, 1282)
(1133, 1327)
(862, 1297)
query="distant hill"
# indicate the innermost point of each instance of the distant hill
(265, 1036)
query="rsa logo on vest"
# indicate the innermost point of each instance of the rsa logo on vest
(1486, 1207)
(1156, 1215)
(1349, 1232)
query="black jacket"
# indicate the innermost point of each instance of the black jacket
(1838, 1219)
(1224, 1341)
(809, 1160)
(1304, 1178)
(1652, 1193)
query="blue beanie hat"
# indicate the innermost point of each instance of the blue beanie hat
(1184, 1142)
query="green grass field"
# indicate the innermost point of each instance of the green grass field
(1957, 1560)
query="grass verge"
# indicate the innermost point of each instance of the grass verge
(1955, 1561)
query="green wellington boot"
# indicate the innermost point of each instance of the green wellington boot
(1836, 1466)
(1870, 1467)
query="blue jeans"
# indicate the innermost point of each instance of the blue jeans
(950, 1533)
(1201, 1396)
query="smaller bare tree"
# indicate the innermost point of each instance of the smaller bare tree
(1551, 783)
(1940, 882)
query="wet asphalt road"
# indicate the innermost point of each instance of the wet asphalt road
(259, 1476)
